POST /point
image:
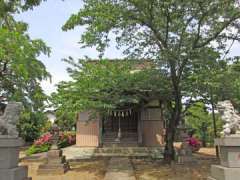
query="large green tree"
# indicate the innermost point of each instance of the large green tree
(172, 32)
(232, 76)
(214, 81)
(15, 6)
(104, 85)
(21, 70)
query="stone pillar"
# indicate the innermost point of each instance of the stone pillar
(229, 152)
(9, 158)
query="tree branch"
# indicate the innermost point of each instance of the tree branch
(204, 14)
(149, 23)
(4, 69)
(216, 34)
(167, 27)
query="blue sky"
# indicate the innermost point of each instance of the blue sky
(45, 22)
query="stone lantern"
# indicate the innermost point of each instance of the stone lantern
(55, 137)
(56, 162)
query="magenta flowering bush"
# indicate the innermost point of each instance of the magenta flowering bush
(194, 143)
(67, 139)
(43, 143)
(44, 139)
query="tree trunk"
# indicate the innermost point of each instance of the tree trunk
(169, 152)
(214, 120)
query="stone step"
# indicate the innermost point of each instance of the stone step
(51, 169)
(113, 144)
(123, 135)
(120, 169)
(86, 153)
(125, 132)
(121, 155)
(57, 160)
(122, 139)
(210, 178)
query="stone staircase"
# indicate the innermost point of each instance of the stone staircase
(128, 139)
(75, 153)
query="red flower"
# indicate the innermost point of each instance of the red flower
(70, 138)
(43, 139)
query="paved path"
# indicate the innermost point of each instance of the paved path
(119, 168)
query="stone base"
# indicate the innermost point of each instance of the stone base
(9, 152)
(54, 154)
(52, 169)
(229, 151)
(219, 172)
(186, 159)
(228, 141)
(56, 164)
(18, 173)
(230, 156)
(9, 159)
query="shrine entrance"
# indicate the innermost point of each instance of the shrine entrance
(121, 127)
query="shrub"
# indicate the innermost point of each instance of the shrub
(31, 125)
(40, 145)
(43, 144)
(38, 149)
(67, 139)
(194, 143)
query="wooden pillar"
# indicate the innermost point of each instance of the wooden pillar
(139, 128)
(100, 132)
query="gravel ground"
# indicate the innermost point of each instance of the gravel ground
(144, 169)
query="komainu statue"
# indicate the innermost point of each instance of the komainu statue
(230, 117)
(8, 121)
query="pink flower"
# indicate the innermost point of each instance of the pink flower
(193, 141)
(43, 139)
